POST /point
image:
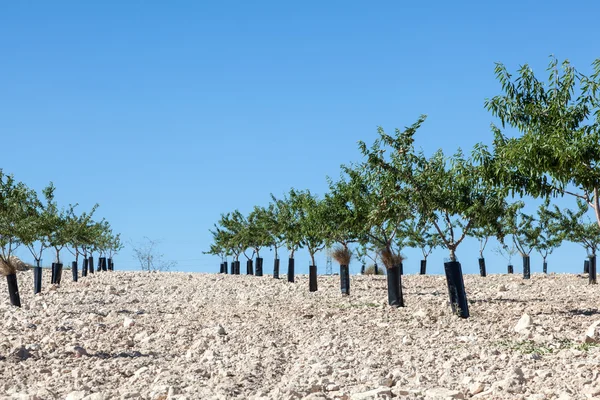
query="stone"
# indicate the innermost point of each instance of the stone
(77, 395)
(442, 393)
(592, 333)
(523, 324)
(476, 388)
(128, 322)
(379, 393)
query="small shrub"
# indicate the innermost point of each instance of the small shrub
(370, 270)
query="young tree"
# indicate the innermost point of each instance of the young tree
(14, 213)
(365, 251)
(507, 251)
(230, 233)
(77, 232)
(289, 215)
(420, 234)
(114, 246)
(385, 195)
(220, 247)
(525, 233)
(451, 193)
(550, 233)
(149, 257)
(38, 226)
(560, 125)
(256, 235)
(577, 227)
(343, 225)
(274, 226)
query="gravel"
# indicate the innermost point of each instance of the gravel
(131, 335)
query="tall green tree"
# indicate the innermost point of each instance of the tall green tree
(559, 121)
(311, 220)
(257, 230)
(289, 214)
(39, 224)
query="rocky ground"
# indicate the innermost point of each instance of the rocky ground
(207, 336)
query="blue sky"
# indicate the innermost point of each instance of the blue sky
(170, 113)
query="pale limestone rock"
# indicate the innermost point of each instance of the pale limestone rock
(523, 324)
(443, 393)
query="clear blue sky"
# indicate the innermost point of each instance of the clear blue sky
(170, 113)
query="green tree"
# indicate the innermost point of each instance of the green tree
(289, 215)
(550, 236)
(39, 224)
(311, 220)
(274, 227)
(558, 151)
(523, 229)
(77, 231)
(256, 233)
(452, 194)
(231, 236)
(15, 198)
(344, 221)
(420, 235)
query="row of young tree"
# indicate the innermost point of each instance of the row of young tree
(397, 196)
(38, 223)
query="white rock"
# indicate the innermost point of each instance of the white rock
(442, 393)
(379, 393)
(77, 395)
(128, 322)
(523, 324)
(592, 333)
(476, 388)
(94, 396)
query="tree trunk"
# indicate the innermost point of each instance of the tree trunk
(376, 269)
(586, 267)
(545, 267)
(510, 269)
(259, 266)
(423, 270)
(91, 265)
(291, 269)
(592, 273)
(312, 278)
(276, 269)
(249, 268)
(58, 273)
(362, 269)
(394, 286)
(37, 277)
(452, 254)
(456, 289)
(74, 270)
(13, 290)
(345, 279)
(84, 269)
(482, 270)
(526, 267)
